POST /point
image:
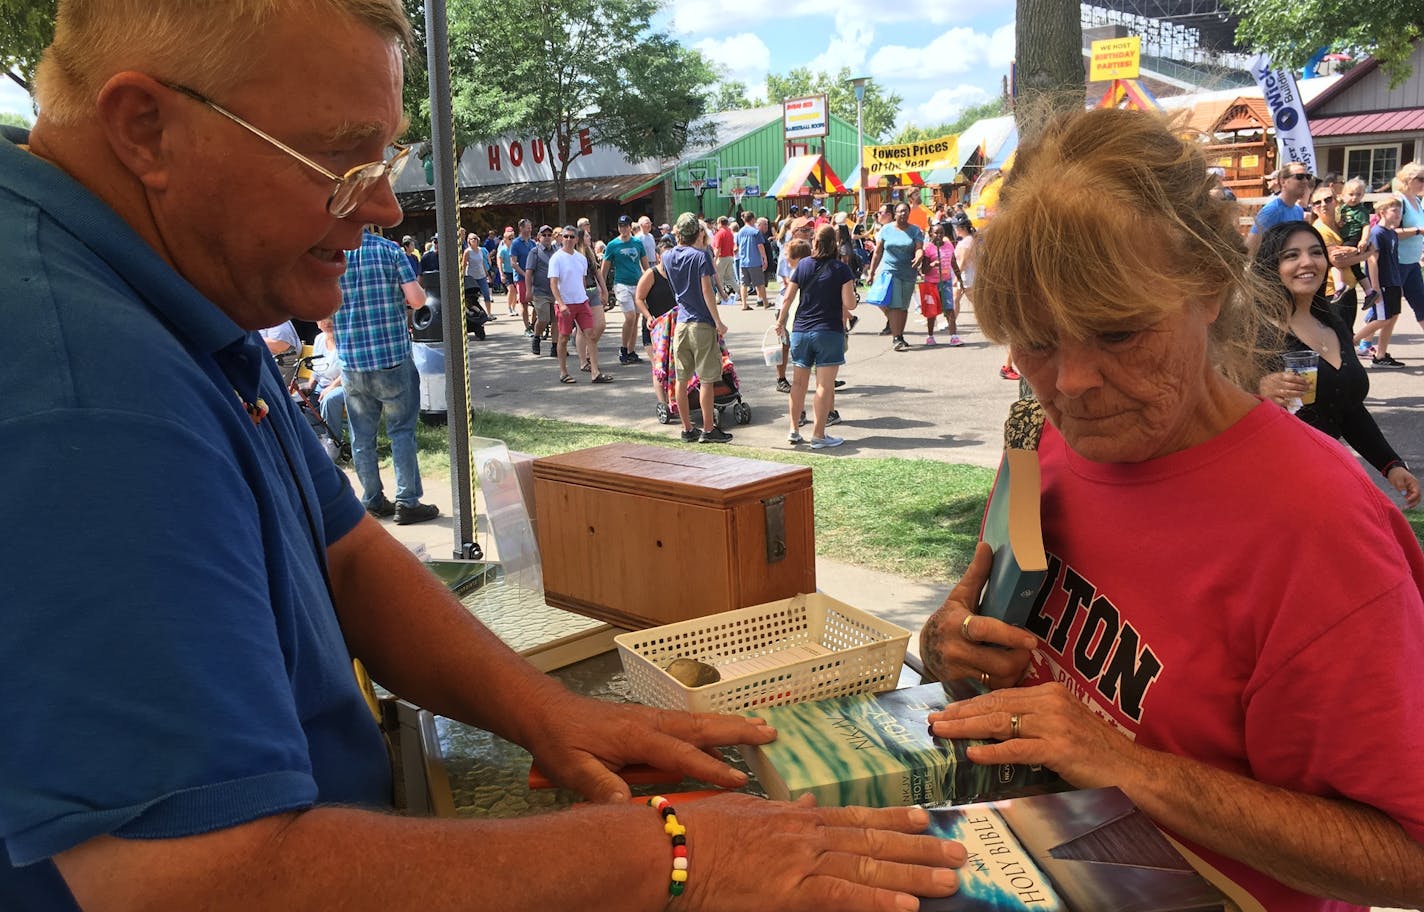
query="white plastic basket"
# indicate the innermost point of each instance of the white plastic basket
(808, 647)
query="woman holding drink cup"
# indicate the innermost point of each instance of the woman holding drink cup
(1318, 375)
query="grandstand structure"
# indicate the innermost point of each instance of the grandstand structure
(1187, 45)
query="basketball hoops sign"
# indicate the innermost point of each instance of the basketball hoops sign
(805, 117)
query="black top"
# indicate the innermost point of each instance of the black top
(1339, 406)
(660, 298)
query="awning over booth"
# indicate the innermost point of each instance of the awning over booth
(804, 175)
(908, 179)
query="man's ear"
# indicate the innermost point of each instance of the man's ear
(133, 110)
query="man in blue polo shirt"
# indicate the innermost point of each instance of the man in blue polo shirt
(184, 728)
(1296, 184)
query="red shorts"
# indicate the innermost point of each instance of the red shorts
(523, 287)
(579, 313)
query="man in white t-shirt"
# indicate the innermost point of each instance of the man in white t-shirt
(567, 269)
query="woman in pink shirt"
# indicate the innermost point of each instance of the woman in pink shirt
(939, 255)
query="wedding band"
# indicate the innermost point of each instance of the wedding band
(984, 678)
(1014, 725)
(964, 628)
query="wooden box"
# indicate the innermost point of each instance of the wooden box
(640, 536)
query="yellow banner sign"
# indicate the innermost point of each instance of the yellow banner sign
(927, 155)
(1115, 58)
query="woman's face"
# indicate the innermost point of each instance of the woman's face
(937, 234)
(1127, 396)
(902, 215)
(1302, 266)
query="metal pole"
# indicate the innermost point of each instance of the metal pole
(860, 138)
(447, 222)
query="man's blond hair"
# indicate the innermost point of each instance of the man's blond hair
(205, 44)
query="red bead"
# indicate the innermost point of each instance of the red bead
(679, 851)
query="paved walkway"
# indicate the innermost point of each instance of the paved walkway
(931, 402)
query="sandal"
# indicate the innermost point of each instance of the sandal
(565, 378)
(603, 378)
(585, 367)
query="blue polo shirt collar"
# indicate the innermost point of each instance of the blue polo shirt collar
(191, 316)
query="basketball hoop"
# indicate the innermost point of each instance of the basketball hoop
(698, 185)
(739, 190)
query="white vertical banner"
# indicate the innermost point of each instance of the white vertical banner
(1282, 96)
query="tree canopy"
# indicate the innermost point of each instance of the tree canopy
(1290, 31)
(28, 28)
(971, 115)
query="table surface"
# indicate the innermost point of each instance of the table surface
(489, 776)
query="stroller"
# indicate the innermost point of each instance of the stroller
(337, 447)
(726, 389)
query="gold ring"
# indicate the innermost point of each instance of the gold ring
(1014, 725)
(984, 678)
(964, 628)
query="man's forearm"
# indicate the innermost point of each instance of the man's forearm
(359, 860)
(1324, 847)
(418, 641)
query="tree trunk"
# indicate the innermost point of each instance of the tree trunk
(1048, 48)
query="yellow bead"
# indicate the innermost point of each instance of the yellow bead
(679, 876)
(675, 829)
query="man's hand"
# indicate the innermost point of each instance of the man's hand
(584, 741)
(752, 855)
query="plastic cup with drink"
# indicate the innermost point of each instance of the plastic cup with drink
(1306, 365)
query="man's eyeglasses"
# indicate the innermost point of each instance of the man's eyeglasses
(1303, 176)
(570, 237)
(351, 188)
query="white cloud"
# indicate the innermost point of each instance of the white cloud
(846, 48)
(1000, 52)
(699, 17)
(946, 104)
(744, 57)
(957, 50)
(15, 100)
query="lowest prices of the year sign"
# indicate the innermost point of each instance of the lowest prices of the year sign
(903, 158)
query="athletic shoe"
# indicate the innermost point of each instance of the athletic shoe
(528, 330)
(716, 435)
(833, 417)
(900, 344)
(795, 438)
(840, 383)
(691, 436)
(886, 330)
(1008, 373)
(630, 358)
(955, 341)
(1364, 348)
(853, 320)
(1386, 361)
(1370, 297)
(534, 343)
(381, 508)
(783, 385)
(821, 443)
(415, 513)
(930, 340)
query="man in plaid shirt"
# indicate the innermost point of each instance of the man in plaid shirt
(371, 330)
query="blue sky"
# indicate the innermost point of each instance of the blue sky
(940, 55)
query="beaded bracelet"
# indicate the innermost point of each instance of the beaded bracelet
(678, 832)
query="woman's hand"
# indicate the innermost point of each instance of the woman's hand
(1046, 726)
(1406, 484)
(1282, 387)
(958, 643)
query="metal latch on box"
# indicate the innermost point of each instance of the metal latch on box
(775, 528)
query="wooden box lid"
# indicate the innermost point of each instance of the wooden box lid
(690, 476)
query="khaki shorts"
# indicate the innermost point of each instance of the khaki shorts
(543, 307)
(726, 273)
(695, 351)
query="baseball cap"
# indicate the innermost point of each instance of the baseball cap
(407, 240)
(666, 227)
(687, 227)
(546, 228)
(625, 220)
(795, 209)
(840, 218)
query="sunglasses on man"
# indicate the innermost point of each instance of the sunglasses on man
(1301, 177)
